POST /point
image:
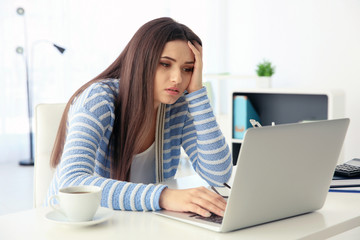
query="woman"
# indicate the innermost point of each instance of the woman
(124, 129)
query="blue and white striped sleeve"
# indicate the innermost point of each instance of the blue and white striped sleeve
(84, 161)
(204, 142)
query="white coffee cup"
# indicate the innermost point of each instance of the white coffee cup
(77, 203)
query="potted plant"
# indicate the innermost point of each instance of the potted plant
(264, 71)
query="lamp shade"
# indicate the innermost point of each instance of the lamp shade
(60, 49)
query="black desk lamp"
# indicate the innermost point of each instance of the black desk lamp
(23, 51)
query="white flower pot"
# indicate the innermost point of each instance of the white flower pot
(263, 82)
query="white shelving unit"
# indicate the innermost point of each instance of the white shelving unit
(289, 106)
(229, 76)
(223, 84)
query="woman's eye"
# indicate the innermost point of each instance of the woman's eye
(188, 69)
(165, 64)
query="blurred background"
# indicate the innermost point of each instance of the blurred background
(314, 44)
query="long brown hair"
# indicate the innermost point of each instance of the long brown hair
(135, 68)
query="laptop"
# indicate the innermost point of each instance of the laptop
(282, 171)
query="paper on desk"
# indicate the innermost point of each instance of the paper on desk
(346, 190)
(345, 182)
(224, 191)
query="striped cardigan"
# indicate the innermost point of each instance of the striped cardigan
(188, 123)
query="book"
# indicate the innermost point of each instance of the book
(242, 113)
(346, 190)
(345, 185)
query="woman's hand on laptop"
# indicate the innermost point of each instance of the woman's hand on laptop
(197, 200)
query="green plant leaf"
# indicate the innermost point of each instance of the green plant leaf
(265, 69)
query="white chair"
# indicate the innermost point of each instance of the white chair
(47, 120)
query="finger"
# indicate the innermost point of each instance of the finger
(195, 45)
(196, 49)
(208, 206)
(209, 200)
(194, 208)
(214, 197)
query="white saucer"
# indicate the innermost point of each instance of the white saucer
(101, 215)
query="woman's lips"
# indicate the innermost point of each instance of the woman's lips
(172, 91)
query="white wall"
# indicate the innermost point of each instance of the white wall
(315, 44)
(93, 32)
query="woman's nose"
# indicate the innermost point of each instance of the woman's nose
(176, 76)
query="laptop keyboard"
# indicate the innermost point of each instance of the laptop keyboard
(213, 218)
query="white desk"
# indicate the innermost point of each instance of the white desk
(341, 213)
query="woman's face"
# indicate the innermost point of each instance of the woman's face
(173, 72)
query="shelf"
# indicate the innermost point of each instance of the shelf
(234, 140)
(229, 76)
(289, 106)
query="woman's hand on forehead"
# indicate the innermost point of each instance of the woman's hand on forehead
(196, 78)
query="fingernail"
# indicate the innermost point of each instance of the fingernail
(208, 214)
